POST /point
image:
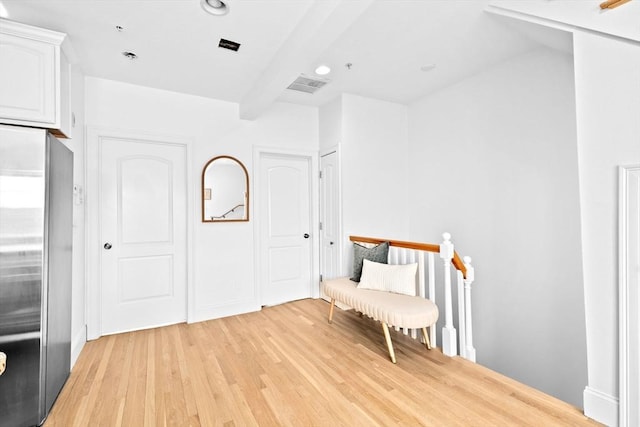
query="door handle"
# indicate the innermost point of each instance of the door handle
(331, 243)
(306, 235)
(107, 246)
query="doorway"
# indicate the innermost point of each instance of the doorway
(285, 232)
(330, 245)
(138, 239)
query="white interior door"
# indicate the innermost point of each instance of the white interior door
(329, 216)
(285, 234)
(143, 232)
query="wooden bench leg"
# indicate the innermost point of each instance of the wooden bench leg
(426, 338)
(387, 337)
(333, 304)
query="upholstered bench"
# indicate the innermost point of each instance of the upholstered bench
(389, 308)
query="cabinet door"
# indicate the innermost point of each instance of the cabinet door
(27, 80)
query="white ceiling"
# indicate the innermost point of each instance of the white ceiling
(392, 40)
(387, 41)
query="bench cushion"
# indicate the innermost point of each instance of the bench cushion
(399, 310)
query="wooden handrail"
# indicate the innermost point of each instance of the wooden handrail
(458, 264)
(224, 215)
(612, 4)
(427, 247)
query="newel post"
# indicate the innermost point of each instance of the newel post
(470, 351)
(449, 341)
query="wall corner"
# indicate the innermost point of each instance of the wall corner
(78, 344)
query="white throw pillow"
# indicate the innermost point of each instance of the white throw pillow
(400, 279)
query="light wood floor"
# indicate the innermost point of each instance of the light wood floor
(286, 365)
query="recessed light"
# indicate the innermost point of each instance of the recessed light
(130, 55)
(323, 70)
(427, 67)
(215, 7)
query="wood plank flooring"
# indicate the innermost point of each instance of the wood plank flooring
(285, 365)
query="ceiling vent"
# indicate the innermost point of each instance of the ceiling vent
(307, 84)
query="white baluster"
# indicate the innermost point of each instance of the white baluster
(470, 351)
(402, 259)
(461, 312)
(421, 282)
(432, 294)
(393, 255)
(409, 257)
(449, 344)
(418, 256)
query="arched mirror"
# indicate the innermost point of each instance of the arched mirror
(225, 190)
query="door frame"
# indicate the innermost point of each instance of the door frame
(340, 244)
(625, 241)
(93, 285)
(312, 157)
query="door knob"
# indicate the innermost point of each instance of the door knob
(331, 243)
(306, 235)
(107, 246)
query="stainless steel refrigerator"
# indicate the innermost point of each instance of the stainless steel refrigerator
(36, 209)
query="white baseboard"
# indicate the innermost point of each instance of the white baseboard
(601, 407)
(78, 344)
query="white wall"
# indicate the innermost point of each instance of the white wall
(330, 125)
(372, 139)
(78, 283)
(493, 161)
(607, 79)
(222, 252)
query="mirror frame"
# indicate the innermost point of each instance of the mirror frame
(246, 185)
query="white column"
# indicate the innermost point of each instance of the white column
(470, 351)
(449, 342)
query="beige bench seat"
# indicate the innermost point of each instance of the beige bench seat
(391, 309)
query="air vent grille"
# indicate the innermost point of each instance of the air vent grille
(307, 84)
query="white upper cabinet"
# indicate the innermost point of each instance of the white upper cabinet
(34, 78)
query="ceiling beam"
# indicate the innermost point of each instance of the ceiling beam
(323, 23)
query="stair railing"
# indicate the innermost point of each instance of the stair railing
(224, 215)
(403, 252)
